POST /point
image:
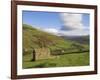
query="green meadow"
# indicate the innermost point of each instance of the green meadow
(75, 54)
(76, 59)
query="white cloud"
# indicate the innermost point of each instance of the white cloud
(73, 26)
(67, 32)
(72, 21)
(51, 30)
(74, 33)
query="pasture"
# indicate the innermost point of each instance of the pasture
(65, 60)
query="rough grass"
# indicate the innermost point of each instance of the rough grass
(32, 38)
(74, 59)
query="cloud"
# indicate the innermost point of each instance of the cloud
(74, 33)
(51, 30)
(72, 26)
(72, 21)
(59, 32)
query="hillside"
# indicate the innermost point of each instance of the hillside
(70, 53)
(79, 39)
(35, 38)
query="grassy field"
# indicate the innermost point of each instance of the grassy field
(74, 59)
(35, 38)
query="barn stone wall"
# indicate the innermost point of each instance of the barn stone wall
(43, 53)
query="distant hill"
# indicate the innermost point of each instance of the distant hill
(78, 39)
(35, 38)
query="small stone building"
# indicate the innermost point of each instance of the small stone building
(43, 53)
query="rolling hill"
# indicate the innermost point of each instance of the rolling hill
(75, 54)
(35, 38)
(78, 39)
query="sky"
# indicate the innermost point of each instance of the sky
(67, 24)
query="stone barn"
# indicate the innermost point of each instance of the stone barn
(43, 53)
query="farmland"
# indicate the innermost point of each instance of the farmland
(75, 59)
(74, 53)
